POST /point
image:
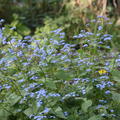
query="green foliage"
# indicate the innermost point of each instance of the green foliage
(45, 77)
(86, 105)
(95, 117)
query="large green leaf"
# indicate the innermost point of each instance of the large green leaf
(89, 88)
(95, 117)
(3, 114)
(28, 111)
(13, 99)
(50, 84)
(116, 75)
(59, 113)
(116, 97)
(63, 75)
(31, 110)
(86, 105)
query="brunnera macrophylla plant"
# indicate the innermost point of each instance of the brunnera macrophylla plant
(42, 77)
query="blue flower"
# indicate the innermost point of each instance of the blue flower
(100, 42)
(89, 33)
(103, 114)
(112, 110)
(99, 106)
(54, 61)
(101, 86)
(31, 94)
(39, 103)
(79, 36)
(4, 40)
(7, 86)
(67, 60)
(100, 27)
(85, 80)
(109, 84)
(66, 113)
(39, 117)
(46, 110)
(21, 80)
(57, 31)
(102, 101)
(2, 20)
(41, 93)
(34, 77)
(104, 77)
(85, 45)
(26, 64)
(107, 92)
(88, 70)
(20, 54)
(0, 87)
(99, 16)
(98, 34)
(117, 60)
(53, 95)
(107, 38)
(63, 57)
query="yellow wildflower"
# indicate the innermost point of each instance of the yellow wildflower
(102, 71)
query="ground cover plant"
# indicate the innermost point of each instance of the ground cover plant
(43, 77)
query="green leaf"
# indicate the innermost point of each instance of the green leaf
(50, 84)
(59, 113)
(28, 111)
(116, 97)
(13, 99)
(3, 114)
(63, 75)
(89, 88)
(25, 30)
(51, 103)
(116, 75)
(86, 105)
(31, 110)
(95, 117)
